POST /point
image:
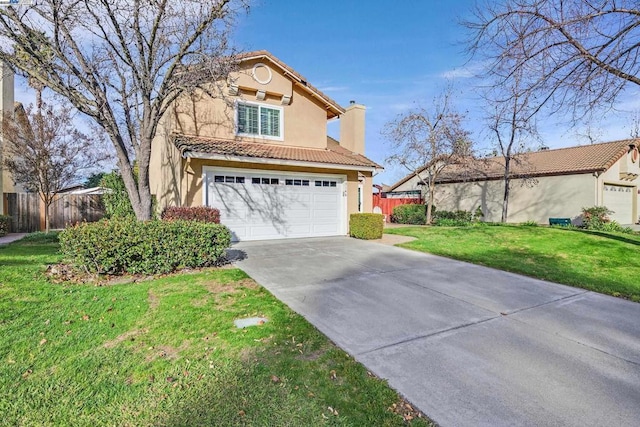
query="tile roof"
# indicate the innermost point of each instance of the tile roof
(561, 161)
(332, 155)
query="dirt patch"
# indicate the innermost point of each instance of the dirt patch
(123, 337)
(166, 352)
(153, 299)
(232, 287)
(314, 355)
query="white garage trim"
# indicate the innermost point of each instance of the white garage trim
(281, 204)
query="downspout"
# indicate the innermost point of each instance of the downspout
(598, 197)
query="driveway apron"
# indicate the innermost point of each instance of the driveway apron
(468, 345)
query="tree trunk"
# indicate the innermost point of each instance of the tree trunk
(507, 184)
(432, 190)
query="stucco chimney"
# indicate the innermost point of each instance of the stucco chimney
(352, 128)
(6, 107)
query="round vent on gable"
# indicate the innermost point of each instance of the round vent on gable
(634, 155)
(261, 73)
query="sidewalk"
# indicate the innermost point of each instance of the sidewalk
(11, 237)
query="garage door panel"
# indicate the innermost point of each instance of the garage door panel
(619, 199)
(258, 205)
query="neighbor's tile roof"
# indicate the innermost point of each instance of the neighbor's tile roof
(561, 161)
(332, 155)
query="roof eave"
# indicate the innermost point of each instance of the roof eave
(279, 162)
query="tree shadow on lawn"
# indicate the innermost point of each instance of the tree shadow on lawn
(609, 236)
(551, 268)
(239, 393)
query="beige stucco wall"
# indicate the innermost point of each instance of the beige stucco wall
(176, 181)
(305, 119)
(624, 172)
(530, 200)
(551, 196)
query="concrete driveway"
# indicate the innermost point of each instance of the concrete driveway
(468, 345)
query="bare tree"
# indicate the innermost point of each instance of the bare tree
(45, 153)
(576, 55)
(425, 142)
(122, 63)
(511, 123)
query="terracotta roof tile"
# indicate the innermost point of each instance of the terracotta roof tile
(561, 161)
(331, 155)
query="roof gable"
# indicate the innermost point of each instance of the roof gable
(332, 107)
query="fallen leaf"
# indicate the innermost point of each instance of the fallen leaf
(43, 341)
(85, 317)
(333, 375)
(241, 413)
(275, 379)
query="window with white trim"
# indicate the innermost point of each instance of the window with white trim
(259, 120)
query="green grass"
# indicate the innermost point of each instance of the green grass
(603, 262)
(165, 352)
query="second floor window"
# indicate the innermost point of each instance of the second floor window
(260, 120)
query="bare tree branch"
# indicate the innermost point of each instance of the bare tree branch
(425, 142)
(45, 153)
(573, 55)
(122, 63)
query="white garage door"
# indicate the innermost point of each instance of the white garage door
(260, 205)
(619, 199)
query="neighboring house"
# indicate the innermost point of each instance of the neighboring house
(545, 184)
(260, 153)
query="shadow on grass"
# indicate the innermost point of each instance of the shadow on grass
(540, 266)
(608, 236)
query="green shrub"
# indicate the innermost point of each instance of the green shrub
(152, 247)
(366, 226)
(596, 218)
(116, 200)
(452, 218)
(530, 223)
(195, 213)
(415, 214)
(5, 224)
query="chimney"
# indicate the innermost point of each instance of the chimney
(352, 128)
(6, 109)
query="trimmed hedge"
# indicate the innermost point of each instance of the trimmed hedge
(195, 213)
(152, 247)
(5, 225)
(366, 226)
(415, 214)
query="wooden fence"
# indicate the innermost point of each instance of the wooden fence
(386, 205)
(27, 210)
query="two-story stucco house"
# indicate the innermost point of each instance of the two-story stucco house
(545, 184)
(261, 155)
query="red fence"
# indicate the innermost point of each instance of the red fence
(387, 204)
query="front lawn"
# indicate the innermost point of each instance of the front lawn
(603, 262)
(166, 352)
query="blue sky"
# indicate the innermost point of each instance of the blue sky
(391, 56)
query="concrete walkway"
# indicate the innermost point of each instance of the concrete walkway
(11, 237)
(468, 345)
